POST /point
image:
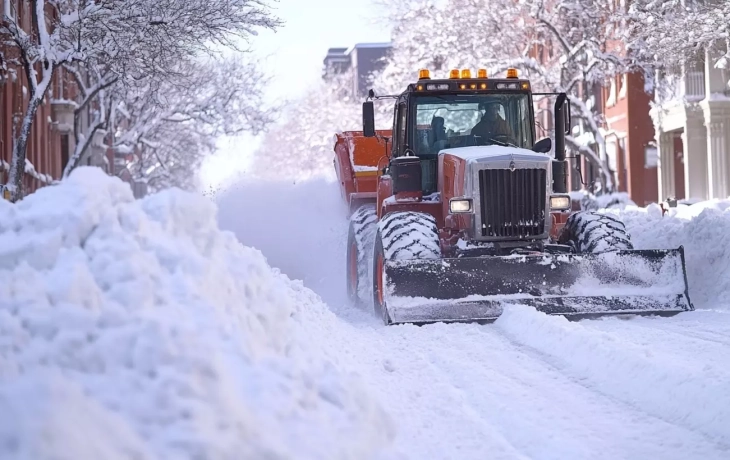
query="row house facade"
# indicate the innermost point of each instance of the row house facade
(44, 149)
(692, 123)
(628, 130)
(665, 140)
(52, 139)
(670, 140)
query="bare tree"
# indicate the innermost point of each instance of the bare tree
(301, 145)
(117, 40)
(170, 128)
(562, 45)
(668, 33)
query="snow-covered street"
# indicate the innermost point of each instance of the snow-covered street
(275, 230)
(529, 385)
(137, 329)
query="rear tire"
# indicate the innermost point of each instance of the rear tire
(595, 233)
(401, 236)
(359, 249)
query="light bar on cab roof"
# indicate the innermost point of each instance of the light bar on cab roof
(438, 87)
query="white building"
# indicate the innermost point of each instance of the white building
(692, 126)
(363, 59)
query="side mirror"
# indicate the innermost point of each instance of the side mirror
(543, 145)
(368, 119)
(578, 162)
(568, 125)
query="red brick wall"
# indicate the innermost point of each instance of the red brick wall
(44, 146)
(630, 117)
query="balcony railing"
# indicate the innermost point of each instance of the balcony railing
(690, 86)
(695, 84)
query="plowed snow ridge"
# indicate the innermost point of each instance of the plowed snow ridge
(530, 385)
(138, 330)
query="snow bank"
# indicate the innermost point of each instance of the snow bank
(137, 329)
(704, 231)
(688, 392)
(590, 202)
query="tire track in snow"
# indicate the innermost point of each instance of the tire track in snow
(703, 326)
(535, 404)
(426, 409)
(555, 364)
(686, 392)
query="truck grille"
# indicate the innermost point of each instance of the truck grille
(512, 202)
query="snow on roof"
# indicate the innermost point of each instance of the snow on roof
(495, 151)
(368, 45)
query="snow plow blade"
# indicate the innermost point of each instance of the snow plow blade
(467, 289)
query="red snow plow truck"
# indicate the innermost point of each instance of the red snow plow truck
(458, 210)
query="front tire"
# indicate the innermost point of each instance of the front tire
(590, 232)
(401, 236)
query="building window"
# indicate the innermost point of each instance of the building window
(611, 100)
(64, 151)
(651, 156)
(624, 84)
(8, 9)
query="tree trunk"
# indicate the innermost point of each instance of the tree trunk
(82, 146)
(17, 164)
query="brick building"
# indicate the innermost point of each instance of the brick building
(629, 133)
(51, 141)
(44, 156)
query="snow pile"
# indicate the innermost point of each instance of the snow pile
(678, 389)
(704, 231)
(591, 202)
(137, 329)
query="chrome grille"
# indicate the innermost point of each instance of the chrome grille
(512, 202)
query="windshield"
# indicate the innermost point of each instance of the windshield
(480, 119)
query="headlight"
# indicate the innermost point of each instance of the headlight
(459, 206)
(560, 202)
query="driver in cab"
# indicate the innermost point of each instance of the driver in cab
(491, 125)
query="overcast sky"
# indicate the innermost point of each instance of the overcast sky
(293, 56)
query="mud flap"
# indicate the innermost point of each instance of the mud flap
(635, 282)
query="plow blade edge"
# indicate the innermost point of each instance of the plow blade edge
(639, 282)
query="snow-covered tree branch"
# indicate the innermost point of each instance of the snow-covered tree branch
(669, 33)
(301, 144)
(170, 128)
(105, 44)
(561, 46)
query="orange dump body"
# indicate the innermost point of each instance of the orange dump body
(357, 162)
